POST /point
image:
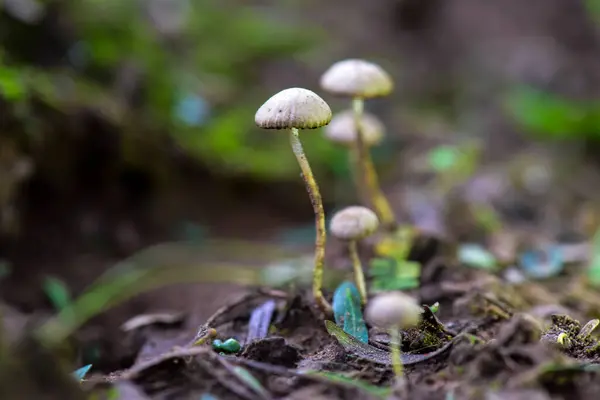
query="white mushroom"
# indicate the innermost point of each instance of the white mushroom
(360, 80)
(342, 129)
(295, 109)
(357, 78)
(353, 224)
(394, 311)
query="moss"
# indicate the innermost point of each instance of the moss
(575, 342)
(566, 324)
(429, 334)
(593, 350)
(484, 305)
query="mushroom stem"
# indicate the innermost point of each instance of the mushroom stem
(368, 175)
(359, 276)
(380, 203)
(317, 203)
(357, 175)
(395, 341)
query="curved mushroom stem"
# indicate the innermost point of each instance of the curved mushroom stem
(317, 203)
(367, 171)
(359, 276)
(395, 341)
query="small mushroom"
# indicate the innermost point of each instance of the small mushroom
(295, 109)
(357, 78)
(351, 225)
(394, 311)
(342, 129)
(360, 80)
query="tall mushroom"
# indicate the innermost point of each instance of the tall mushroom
(353, 224)
(342, 131)
(360, 80)
(295, 109)
(394, 311)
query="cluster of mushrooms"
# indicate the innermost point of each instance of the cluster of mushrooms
(296, 108)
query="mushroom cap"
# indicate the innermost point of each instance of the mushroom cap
(393, 309)
(353, 223)
(293, 108)
(357, 78)
(342, 129)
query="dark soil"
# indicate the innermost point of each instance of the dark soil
(514, 357)
(492, 342)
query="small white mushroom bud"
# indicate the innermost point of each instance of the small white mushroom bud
(393, 309)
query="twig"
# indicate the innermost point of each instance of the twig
(228, 307)
(261, 292)
(278, 294)
(178, 352)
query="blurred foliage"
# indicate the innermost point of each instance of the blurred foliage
(594, 264)
(486, 217)
(454, 164)
(542, 263)
(552, 116)
(391, 269)
(192, 69)
(172, 263)
(443, 158)
(58, 292)
(593, 7)
(459, 161)
(394, 274)
(476, 256)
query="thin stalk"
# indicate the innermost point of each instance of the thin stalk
(317, 203)
(368, 174)
(359, 277)
(358, 106)
(357, 176)
(380, 203)
(395, 342)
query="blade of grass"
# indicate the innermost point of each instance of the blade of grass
(110, 292)
(152, 268)
(379, 392)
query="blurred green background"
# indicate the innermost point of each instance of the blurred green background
(187, 70)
